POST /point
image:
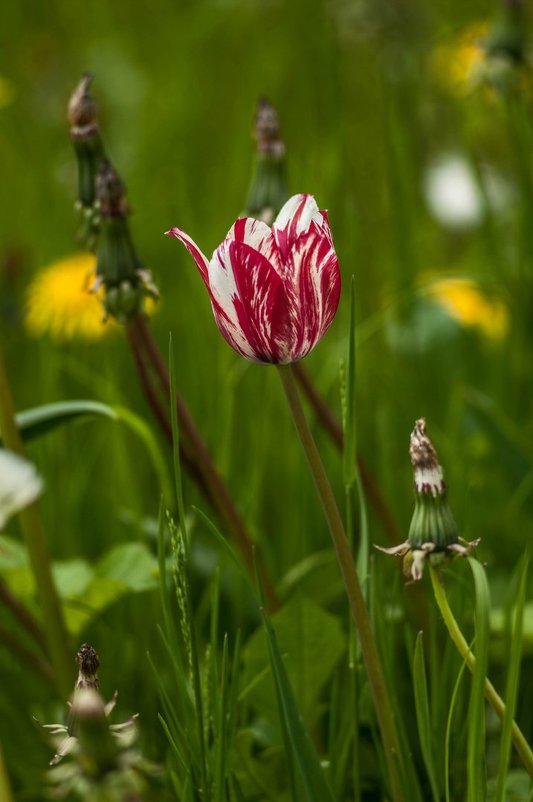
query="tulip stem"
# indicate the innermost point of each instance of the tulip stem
(352, 585)
(31, 524)
(491, 694)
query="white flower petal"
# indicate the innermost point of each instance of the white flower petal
(297, 215)
(20, 484)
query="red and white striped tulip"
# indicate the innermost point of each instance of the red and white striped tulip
(274, 291)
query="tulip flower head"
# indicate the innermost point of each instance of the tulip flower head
(274, 291)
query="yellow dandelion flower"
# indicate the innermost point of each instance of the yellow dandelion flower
(59, 302)
(457, 64)
(465, 302)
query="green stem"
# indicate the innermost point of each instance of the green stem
(351, 583)
(492, 696)
(53, 622)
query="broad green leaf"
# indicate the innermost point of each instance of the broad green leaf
(312, 643)
(100, 593)
(72, 577)
(132, 564)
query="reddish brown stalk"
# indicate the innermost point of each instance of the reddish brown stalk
(22, 615)
(158, 406)
(334, 429)
(198, 458)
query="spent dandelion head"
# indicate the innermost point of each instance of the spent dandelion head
(433, 532)
(274, 291)
(85, 697)
(60, 302)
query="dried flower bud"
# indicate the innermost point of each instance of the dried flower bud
(269, 189)
(82, 110)
(428, 475)
(119, 268)
(433, 532)
(110, 192)
(82, 115)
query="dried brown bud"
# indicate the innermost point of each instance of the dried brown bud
(266, 131)
(82, 110)
(88, 664)
(110, 192)
(428, 473)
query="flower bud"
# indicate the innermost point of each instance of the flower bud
(118, 267)
(269, 189)
(85, 135)
(433, 532)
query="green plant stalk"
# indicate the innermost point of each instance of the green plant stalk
(53, 621)
(351, 582)
(491, 695)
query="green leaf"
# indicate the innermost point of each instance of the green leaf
(422, 714)
(314, 780)
(312, 643)
(132, 564)
(100, 593)
(72, 577)
(39, 420)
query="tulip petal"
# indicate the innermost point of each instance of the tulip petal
(248, 301)
(312, 285)
(293, 220)
(201, 261)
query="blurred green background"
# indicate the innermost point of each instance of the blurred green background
(369, 103)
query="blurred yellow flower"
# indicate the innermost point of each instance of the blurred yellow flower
(456, 64)
(59, 302)
(465, 302)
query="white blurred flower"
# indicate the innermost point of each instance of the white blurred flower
(454, 194)
(20, 484)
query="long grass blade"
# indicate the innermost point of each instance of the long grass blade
(476, 711)
(422, 714)
(513, 675)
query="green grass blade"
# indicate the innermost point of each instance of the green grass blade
(349, 464)
(422, 714)
(314, 780)
(449, 731)
(513, 674)
(39, 420)
(476, 710)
